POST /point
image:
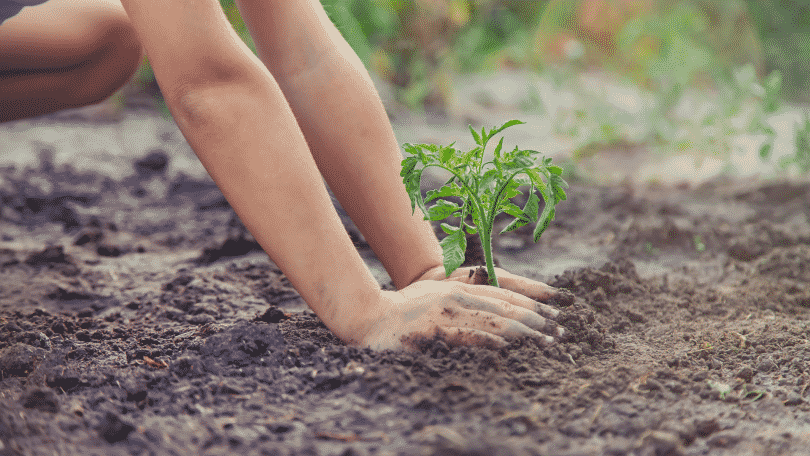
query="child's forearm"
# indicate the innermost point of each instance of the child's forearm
(246, 137)
(348, 131)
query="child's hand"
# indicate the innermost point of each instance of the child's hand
(460, 314)
(527, 287)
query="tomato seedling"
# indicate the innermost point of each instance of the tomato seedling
(485, 189)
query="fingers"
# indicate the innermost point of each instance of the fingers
(506, 327)
(528, 287)
(513, 298)
(501, 311)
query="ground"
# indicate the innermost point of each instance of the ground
(137, 316)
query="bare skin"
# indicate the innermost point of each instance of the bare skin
(269, 129)
(64, 54)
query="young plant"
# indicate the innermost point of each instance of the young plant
(485, 189)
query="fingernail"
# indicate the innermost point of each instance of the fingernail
(554, 312)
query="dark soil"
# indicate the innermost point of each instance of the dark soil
(137, 316)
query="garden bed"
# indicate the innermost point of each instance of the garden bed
(137, 316)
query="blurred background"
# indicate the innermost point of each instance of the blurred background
(673, 76)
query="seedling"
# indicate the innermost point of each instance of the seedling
(485, 189)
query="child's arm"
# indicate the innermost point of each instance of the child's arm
(236, 119)
(350, 136)
(346, 127)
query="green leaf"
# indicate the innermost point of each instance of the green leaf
(498, 149)
(475, 135)
(412, 186)
(505, 126)
(454, 247)
(516, 223)
(518, 162)
(471, 155)
(488, 178)
(532, 207)
(521, 180)
(534, 175)
(511, 209)
(512, 190)
(471, 229)
(554, 169)
(447, 190)
(446, 154)
(523, 216)
(411, 149)
(557, 183)
(442, 209)
(449, 229)
(431, 147)
(408, 165)
(497, 159)
(542, 223)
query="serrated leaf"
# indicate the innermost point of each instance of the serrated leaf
(471, 229)
(559, 194)
(446, 154)
(441, 210)
(449, 229)
(412, 186)
(557, 184)
(446, 190)
(470, 155)
(430, 147)
(408, 165)
(484, 136)
(498, 149)
(411, 149)
(516, 223)
(488, 178)
(511, 208)
(542, 223)
(522, 180)
(554, 169)
(475, 134)
(505, 126)
(454, 247)
(534, 175)
(532, 207)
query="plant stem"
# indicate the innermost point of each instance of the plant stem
(486, 244)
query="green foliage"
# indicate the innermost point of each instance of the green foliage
(485, 189)
(801, 157)
(784, 29)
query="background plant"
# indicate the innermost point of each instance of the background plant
(667, 49)
(485, 190)
(415, 44)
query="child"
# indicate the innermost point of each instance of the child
(268, 129)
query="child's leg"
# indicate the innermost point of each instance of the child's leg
(64, 54)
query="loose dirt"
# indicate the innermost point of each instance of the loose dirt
(138, 316)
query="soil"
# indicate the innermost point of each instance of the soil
(138, 316)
